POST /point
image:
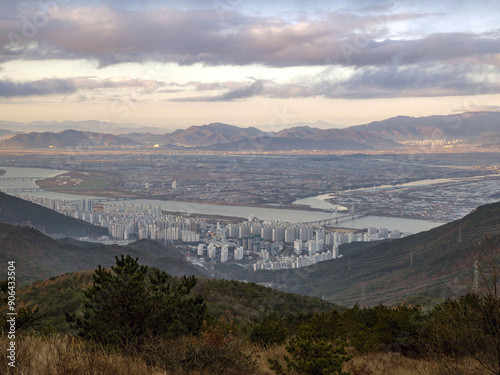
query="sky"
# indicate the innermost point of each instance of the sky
(249, 63)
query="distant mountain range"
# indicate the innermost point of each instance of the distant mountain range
(460, 126)
(66, 138)
(331, 139)
(89, 125)
(477, 128)
(4, 133)
(215, 133)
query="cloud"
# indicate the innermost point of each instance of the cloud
(35, 88)
(427, 80)
(111, 35)
(380, 61)
(9, 88)
(396, 81)
(441, 47)
(243, 91)
(254, 89)
(477, 108)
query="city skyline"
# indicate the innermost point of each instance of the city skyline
(176, 64)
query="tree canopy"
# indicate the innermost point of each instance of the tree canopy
(131, 302)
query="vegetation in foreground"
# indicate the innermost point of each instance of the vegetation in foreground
(67, 355)
(137, 321)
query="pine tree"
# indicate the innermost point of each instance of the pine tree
(124, 306)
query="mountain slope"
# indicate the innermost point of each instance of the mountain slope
(234, 300)
(487, 140)
(437, 263)
(17, 211)
(6, 133)
(66, 138)
(460, 126)
(317, 124)
(297, 132)
(308, 139)
(214, 133)
(38, 257)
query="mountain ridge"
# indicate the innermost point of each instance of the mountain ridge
(473, 128)
(39, 257)
(464, 125)
(64, 139)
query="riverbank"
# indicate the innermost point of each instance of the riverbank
(263, 212)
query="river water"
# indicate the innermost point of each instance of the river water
(271, 213)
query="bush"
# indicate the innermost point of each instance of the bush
(317, 348)
(269, 330)
(318, 357)
(383, 328)
(215, 351)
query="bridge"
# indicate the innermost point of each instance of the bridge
(114, 199)
(344, 217)
(20, 190)
(332, 220)
(22, 178)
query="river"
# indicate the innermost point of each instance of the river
(271, 213)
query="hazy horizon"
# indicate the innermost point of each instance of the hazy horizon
(320, 124)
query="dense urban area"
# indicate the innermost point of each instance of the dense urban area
(273, 244)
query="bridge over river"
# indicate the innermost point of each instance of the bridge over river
(20, 190)
(22, 178)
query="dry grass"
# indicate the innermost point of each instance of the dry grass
(64, 355)
(382, 364)
(395, 364)
(261, 356)
(69, 356)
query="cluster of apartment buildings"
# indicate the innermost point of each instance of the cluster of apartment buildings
(274, 243)
(283, 245)
(129, 221)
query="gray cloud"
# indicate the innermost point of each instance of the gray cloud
(9, 88)
(477, 108)
(111, 36)
(42, 87)
(428, 80)
(254, 89)
(396, 81)
(244, 91)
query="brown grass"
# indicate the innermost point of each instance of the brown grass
(69, 356)
(396, 364)
(382, 364)
(261, 356)
(65, 355)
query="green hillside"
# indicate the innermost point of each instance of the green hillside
(39, 257)
(420, 268)
(17, 211)
(241, 302)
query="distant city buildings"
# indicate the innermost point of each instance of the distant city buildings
(274, 244)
